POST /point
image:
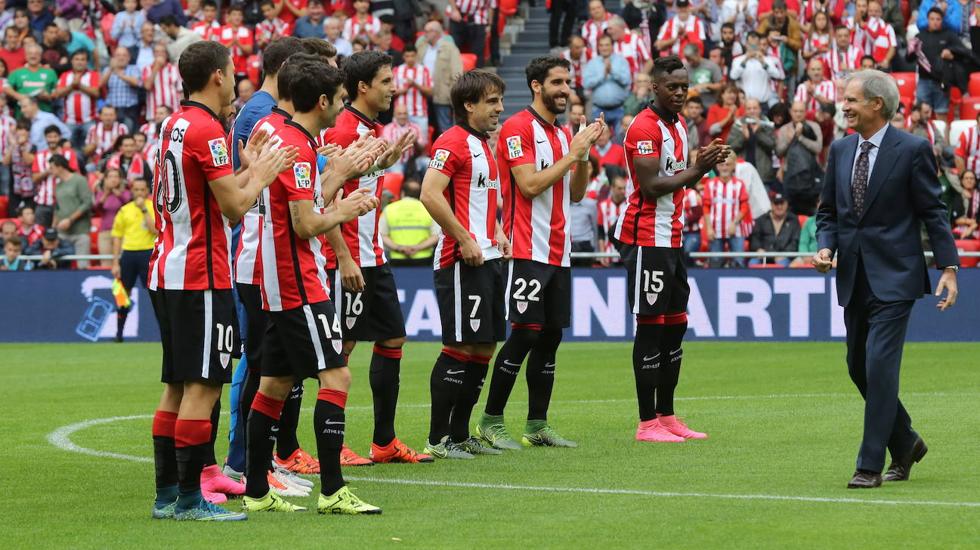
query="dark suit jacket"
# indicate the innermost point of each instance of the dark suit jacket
(903, 194)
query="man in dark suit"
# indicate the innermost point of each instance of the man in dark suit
(880, 188)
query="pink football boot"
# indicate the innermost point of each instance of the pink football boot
(214, 481)
(651, 430)
(677, 427)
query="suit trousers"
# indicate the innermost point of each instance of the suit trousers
(875, 338)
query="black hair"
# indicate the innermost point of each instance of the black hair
(51, 24)
(934, 9)
(264, 3)
(169, 20)
(313, 79)
(236, 7)
(751, 34)
(275, 54)
(199, 61)
(80, 51)
(15, 240)
(289, 70)
(539, 67)
(209, 4)
(60, 161)
(863, 57)
(666, 65)
(52, 128)
(695, 99)
(471, 87)
(363, 67)
(728, 25)
(409, 48)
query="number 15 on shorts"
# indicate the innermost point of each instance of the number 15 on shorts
(652, 283)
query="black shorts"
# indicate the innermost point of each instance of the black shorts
(303, 341)
(199, 333)
(656, 279)
(539, 294)
(256, 320)
(372, 314)
(471, 303)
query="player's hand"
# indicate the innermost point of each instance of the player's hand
(248, 152)
(503, 244)
(584, 140)
(948, 283)
(710, 156)
(269, 164)
(351, 162)
(471, 253)
(395, 150)
(823, 260)
(350, 275)
(116, 270)
(329, 150)
(359, 202)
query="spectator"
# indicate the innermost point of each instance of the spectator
(758, 193)
(608, 153)
(127, 24)
(76, 40)
(102, 137)
(731, 47)
(583, 221)
(53, 55)
(22, 23)
(782, 29)
(21, 159)
(755, 72)
(164, 87)
(808, 242)
(470, 29)
(157, 11)
(8, 230)
(362, 24)
(596, 25)
(8, 126)
(775, 232)
(940, 61)
(843, 56)
(819, 36)
(180, 37)
(32, 80)
(209, 25)
(399, 126)
(816, 91)
(883, 40)
(641, 96)
(693, 215)
(272, 26)
(144, 50)
(413, 87)
(133, 234)
(950, 15)
(408, 231)
(632, 47)
(965, 212)
(753, 138)
(128, 160)
(30, 231)
(726, 204)
(607, 77)
(441, 56)
(610, 209)
(721, 116)
(110, 196)
(560, 22)
(80, 88)
(121, 81)
(43, 175)
(577, 55)
(12, 53)
(680, 30)
(237, 38)
(331, 29)
(705, 75)
(40, 17)
(798, 143)
(6, 15)
(697, 125)
(52, 251)
(920, 122)
(73, 210)
(291, 10)
(12, 261)
(383, 44)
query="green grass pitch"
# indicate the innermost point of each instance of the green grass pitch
(784, 421)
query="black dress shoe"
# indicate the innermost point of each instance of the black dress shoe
(864, 480)
(899, 470)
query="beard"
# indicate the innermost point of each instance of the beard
(551, 103)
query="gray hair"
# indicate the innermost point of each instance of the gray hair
(876, 84)
(617, 21)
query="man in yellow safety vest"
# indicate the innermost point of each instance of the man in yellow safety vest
(407, 230)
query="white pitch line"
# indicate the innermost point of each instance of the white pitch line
(61, 439)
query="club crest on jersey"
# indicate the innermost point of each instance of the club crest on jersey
(673, 166)
(475, 324)
(514, 150)
(644, 147)
(219, 151)
(521, 306)
(302, 173)
(439, 159)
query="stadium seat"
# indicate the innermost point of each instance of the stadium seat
(970, 107)
(393, 184)
(907, 101)
(968, 245)
(906, 83)
(508, 7)
(469, 61)
(974, 88)
(803, 218)
(958, 127)
(4, 205)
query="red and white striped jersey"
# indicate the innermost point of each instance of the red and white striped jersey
(167, 90)
(151, 130)
(104, 138)
(361, 234)
(654, 222)
(45, 188)
(969, 149)
(474, 11)
(814, 42)
(723, 202)
(825, 88)
(248, 263)
(840, 62)
(609, 214)
(578, 65)
(287, 15)
(368, 27)
(226, 35)
(689, 32)
(392, 132)
(591, 31)
(208, 31)
(465, 157)
(8, 136)
(539, 228)
(193, 245)
(882, 38)
(860, 35)
(293, 269)
(693, 210)
(413, 100)
(266, 31)
(79, 106)
(634, 50)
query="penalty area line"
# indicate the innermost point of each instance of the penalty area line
(61, 439)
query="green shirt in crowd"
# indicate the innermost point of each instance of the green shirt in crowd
(71, 196)
(27, 82)
(808, 236)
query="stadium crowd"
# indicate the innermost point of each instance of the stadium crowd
(86, 85)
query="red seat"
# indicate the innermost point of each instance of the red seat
(974, 88)
(4, 204)
(469, 61)
(803, 218)
(968, 245)
(969, 107)
(508, 7)
(907, 101)
(906, 83)
(393, 184)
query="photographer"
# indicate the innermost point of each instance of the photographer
(753, 138)
(798, 143)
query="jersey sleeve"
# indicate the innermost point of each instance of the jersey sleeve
(340, 136)
(517, 144)
(210, 148)
(446, 157)
(298, 180)
(643, 139)
(961, 150)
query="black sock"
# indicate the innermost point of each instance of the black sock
(192, 442)
(164, 454)
(673, 337)
(444, 387)
(328, 425)
(646, 367)
(262, 418)
(249, 389)
(215, 418)
(540, 373)
(286, 438)
(469, 396)
(121, 314)
(507, 365)
(384, 377)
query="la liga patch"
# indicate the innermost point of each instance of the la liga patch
(219, 151)
(301, 171)
(439, 159)
(514, 150)
(644, 147)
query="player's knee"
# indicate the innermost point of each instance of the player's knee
(550, 338)
(335, 379)
(172, 395)
(483, 350)
(526, 335)
(276, 387)
(392, 342)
